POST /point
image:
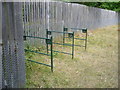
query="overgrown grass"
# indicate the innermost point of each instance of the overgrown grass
(95, 68)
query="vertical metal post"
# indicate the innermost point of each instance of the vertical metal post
(47, 37)
(73, 46)
(51, 54)
(86, 40)
(63, 35)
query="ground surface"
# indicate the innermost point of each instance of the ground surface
(95, 68)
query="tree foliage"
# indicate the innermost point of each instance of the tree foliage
(105, 4)
(115, 6)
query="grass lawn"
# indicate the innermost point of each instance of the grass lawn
(95, 68)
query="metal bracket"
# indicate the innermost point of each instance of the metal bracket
(70, 35)
(65, 29)
(48, 41)
(49, 33)
(84, 30)
(24, 37)
(1, 44)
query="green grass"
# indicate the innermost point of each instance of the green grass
(95, 68)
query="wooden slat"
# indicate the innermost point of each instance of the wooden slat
(13, 54)
(1, 45)
(6, 54)
(19, 42)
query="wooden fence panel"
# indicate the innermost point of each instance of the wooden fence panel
(0, 45)
(13, 49)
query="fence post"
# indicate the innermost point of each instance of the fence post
(86, 39)
(47, 37)
(51, 54)
(0, 45)
(63, 35)
(13, 49)
(73, 46)
(20, 44)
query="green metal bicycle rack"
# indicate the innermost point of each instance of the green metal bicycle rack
(84, 30)
(48, 42)
(71, 34)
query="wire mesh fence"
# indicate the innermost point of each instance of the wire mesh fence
(13, 64)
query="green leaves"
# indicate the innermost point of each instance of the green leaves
(105, 4)
(89, 0)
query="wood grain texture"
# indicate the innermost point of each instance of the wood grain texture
(0, 45)
(13, 49)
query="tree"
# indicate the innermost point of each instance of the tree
(105, 4)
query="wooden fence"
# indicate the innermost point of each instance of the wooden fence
(13, 62)
(33, 18)
(39, 16)
(0, 45)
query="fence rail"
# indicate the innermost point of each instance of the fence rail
(39, 16)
